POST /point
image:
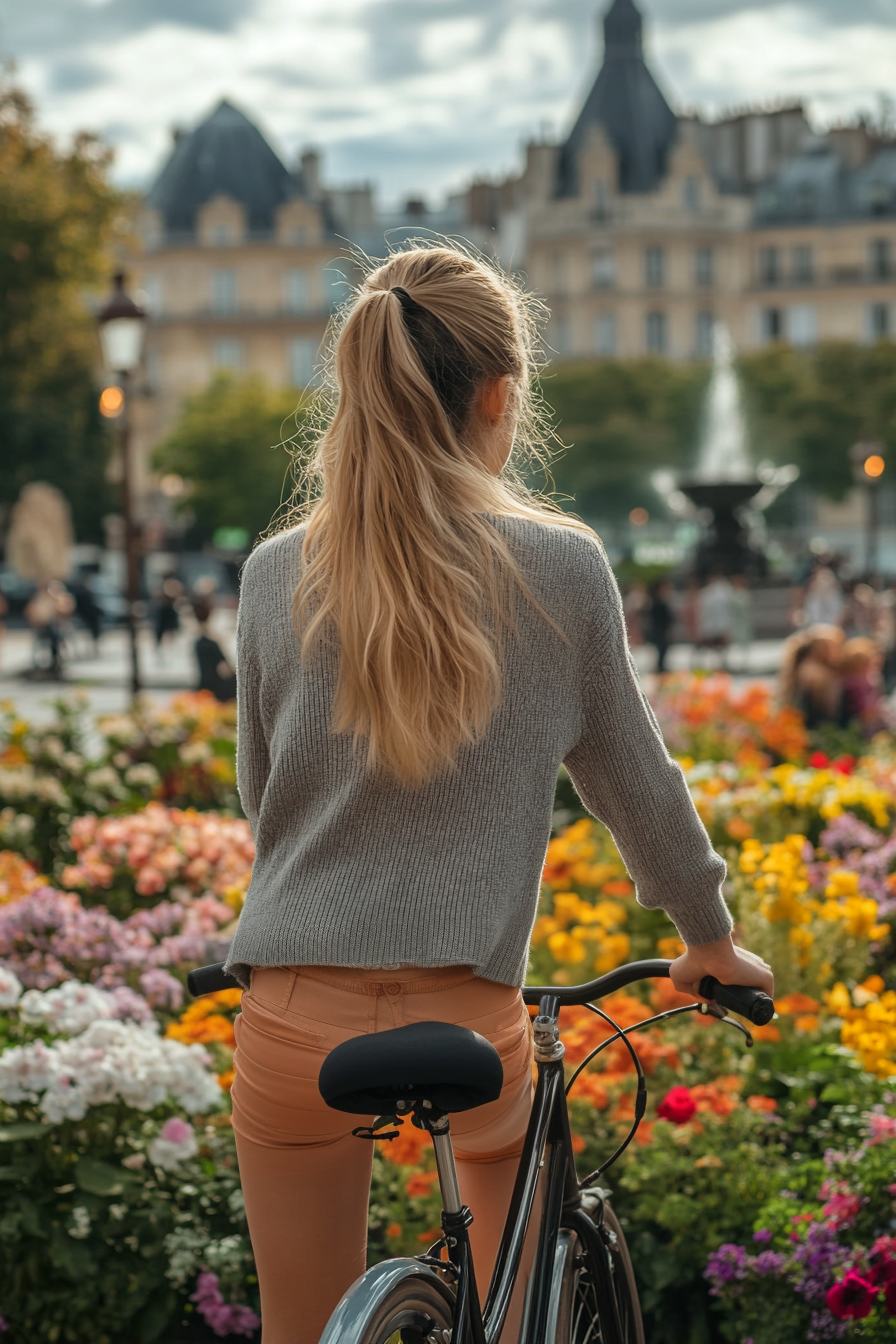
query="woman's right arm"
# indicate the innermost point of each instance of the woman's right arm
(252, 760)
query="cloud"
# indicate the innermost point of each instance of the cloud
(66, 25)
(75, 76)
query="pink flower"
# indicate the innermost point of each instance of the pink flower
(881, 1128)
(223, 1318)
(851, 1299)
(842, 1208)
(678, 1106)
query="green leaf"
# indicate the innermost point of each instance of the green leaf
(99, 1178)
(25, 1129)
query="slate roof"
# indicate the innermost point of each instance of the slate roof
(627, 103)
(225, 155)
(816, 186)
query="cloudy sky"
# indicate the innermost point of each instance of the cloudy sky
(417, 94)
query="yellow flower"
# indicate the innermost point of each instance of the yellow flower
(670, 947)
(615, 950)
(566, 948)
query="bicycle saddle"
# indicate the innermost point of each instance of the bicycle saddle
(451, 1067)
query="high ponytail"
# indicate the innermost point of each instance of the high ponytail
(399, 557)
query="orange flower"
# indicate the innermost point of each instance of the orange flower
(739, 829)
(644, 1132)
(767, 1033)
(762, 1105)
(796, 1003)
(393, 1230)
(620, 886)
(420, 1184)
(226, 1079)
(408, 1148)
(711, 1097)
(578, 1143)
(427, 1238)
(808, 1022)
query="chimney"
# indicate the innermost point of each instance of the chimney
(311, 172)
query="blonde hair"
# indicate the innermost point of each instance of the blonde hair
(400, 558)
(859, 654)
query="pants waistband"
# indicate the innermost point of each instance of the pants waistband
(375, 982)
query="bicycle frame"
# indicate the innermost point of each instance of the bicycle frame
(548, 1144)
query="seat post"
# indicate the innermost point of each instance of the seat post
(441, 1142)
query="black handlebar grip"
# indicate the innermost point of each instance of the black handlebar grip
(752, 1004)
(210, 979)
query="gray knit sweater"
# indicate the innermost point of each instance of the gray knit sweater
(355, 869)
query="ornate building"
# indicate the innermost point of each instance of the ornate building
(640, 229)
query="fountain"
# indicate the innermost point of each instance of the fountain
(724, 481)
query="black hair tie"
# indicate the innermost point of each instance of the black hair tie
(404, 298)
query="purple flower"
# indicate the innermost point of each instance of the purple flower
(768, 1262)
(4, 1325)
(727, 1265)
(762, 1235)
(224, 1318)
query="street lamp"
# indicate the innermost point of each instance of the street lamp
(122, 325)
(868, 466)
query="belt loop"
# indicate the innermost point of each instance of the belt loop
(291, 977)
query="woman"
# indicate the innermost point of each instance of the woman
(414, 663)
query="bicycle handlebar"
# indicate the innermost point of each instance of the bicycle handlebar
(752, 1004)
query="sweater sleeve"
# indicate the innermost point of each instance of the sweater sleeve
(626, 778)
(253, 764)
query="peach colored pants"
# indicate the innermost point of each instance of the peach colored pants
(306, 1180)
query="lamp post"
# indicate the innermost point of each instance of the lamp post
(122, 325)
(868, 466)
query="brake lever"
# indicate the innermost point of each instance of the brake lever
(716, 1010)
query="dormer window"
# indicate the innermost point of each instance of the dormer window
(221, 235)
(691, 193)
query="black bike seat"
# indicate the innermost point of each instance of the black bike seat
(451, 1067)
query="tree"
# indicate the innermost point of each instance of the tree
(232, 445)
(621, 420)
(57, 219)
(809, 407)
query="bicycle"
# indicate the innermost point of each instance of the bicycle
(582, 1287)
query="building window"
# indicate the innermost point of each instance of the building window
(769, 265)
(654, 267)
(656, 333)
(334, 287)
(803, 264)
(224, 291)
(705, 326)
(302, 358)
(803, 323)
(603, 269)
(560, 335)
(880, 324)
(222, 235)
(298, 236)
(606, 340)
(880, 258)
(152, 291)
(296, 292)
(558, 272)
(227, 353)
(771, 324)
(705, 266)
(806, 198)
(691, 192)
(601, 199)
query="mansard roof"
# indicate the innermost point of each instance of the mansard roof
(225, 155)
(816, 186)
(626, 102)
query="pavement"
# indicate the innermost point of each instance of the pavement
(104, 675)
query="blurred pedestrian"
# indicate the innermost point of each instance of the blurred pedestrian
(215, 671)
(859, 603)
(863, 702)
(741, 617)
(823, 602)
(659, 621)
(716, 614)
(47, 613)
(810, 674)
(88, 611)
(634, 608)
(166, 618)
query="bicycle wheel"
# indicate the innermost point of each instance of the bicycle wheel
(413, 1313)
(585, 1307)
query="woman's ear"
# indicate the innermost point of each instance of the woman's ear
(493, 398)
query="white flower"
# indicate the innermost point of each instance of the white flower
(72, 762)
(103, 778)
(67, 1009)
(80, 1227)
(110, 1061)
(174, 1145)
(142, 775)
(193, 753)
(10, 988)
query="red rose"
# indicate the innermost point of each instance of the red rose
(818, 760)
(890, 1297)
(852, 1298)
(678, 1106)
(844, 764)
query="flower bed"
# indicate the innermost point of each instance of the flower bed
(759, 1197)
